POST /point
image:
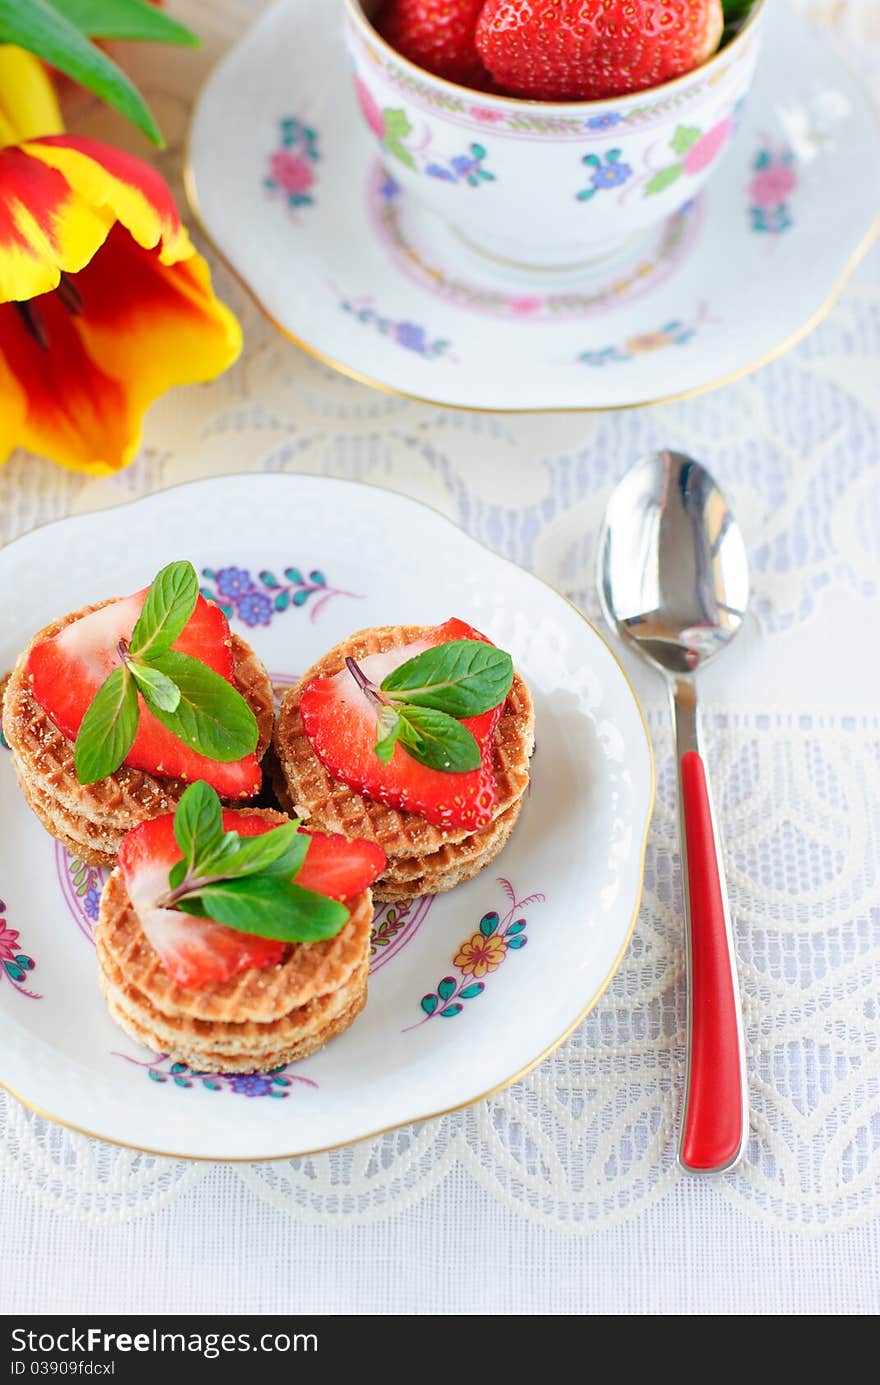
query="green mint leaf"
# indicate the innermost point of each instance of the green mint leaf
(198, 823)
(108, 728)
(212, 716)
(158, 690)
(387, 732)
(39, 27)
(269, 907)
(278, 853)
(735, 10)
(177, 873)
(129, 19)
(438, 740)
(210, 860)
(167, 609)
(463, 678)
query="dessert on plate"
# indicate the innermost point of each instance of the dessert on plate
(417, 738)
(232, 940)
(113, 709)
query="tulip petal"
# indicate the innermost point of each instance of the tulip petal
(144, 327)
(45, 227)
(28, 104)
(122, 185)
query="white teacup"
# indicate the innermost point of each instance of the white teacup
(544, 185)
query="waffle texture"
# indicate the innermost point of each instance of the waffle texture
(91, 819)
(258, 1020)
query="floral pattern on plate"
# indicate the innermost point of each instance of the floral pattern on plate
(257, 601)
(478, 956)
(775, 179)
(673, 333)
(411, 336)
(277, 1083)
(292, 174)
(14, 964)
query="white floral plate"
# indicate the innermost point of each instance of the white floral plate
(289, 189)
(468, 990)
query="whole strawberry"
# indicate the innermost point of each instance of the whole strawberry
(569, 50)
(437, 35)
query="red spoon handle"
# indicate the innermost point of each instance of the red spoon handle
(714, 1121)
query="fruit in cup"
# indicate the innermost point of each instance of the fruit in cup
(555, 50)
(437, 35)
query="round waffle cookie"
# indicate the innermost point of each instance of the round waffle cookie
(450, 866)
(224, 1048)
(422, 858)
(260, 1019)
(262, 994)
(91, 819)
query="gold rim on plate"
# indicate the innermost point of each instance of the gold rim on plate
(575, 1023)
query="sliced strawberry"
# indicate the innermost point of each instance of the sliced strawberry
(338, 867)
(66, 671)
(197, 952)
(194, 951)
(340, 722)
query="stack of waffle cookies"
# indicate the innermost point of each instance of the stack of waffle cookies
(91, 819)
(258, 1020)
(422, 858)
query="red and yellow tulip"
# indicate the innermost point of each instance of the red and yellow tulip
(104, 303)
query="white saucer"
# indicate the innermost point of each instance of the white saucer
(300, 563)
(284, 179)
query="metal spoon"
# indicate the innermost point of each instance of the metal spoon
(674, 581)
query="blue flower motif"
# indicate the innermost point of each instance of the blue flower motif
(608, 171)
(251, 1084)
(255, 608)
(464, 165)
(611, 175)
(91, 901)
(410, 335)
(233, 581)
(604, 122)
(389, 189)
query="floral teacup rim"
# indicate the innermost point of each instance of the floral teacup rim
(359, 17)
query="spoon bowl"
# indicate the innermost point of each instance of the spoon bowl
(673, 571)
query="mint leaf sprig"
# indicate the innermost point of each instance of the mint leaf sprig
(421, 703)
(246, 883)
(190, 700)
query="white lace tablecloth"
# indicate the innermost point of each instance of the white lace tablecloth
(560, 1194)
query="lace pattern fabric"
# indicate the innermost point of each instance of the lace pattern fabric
(584, 1147)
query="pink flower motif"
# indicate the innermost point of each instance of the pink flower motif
(524, 306)
(291, 172)
(707, 149)
(8, 943)
(370, 107)
(772, 185)
(487, 116)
